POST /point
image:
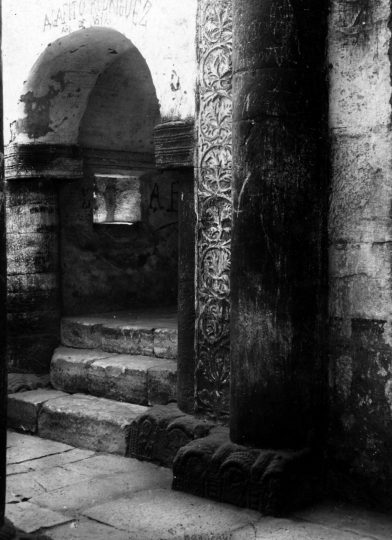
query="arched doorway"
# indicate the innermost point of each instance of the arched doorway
(104, 231)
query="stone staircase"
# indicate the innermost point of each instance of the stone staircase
(109, 369)
(113, 389)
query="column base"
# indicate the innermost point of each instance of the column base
(7, 531)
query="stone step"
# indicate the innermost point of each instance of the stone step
(79, 420)
(130, 333)
(142, 380)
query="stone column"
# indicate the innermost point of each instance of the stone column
(6, 529)
(33, 174)
(360, 229)
(174, 151)
(278, 269)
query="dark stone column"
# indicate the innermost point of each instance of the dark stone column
(6, 529)
(278, 268)
(174, 149)
(33, 175)
(186, 292)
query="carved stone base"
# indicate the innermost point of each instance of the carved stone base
(158, 434)
(207, 464)
(269, 481)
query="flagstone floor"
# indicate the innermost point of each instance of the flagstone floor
(69, 493)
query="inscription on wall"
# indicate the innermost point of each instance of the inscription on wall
(83, 13)
(214, 206)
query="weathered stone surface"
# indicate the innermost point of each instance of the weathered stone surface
(359, 225)
(88, 422)
(55, 460)
(121, 377)
(86, 529)
(102, 486)
(162, 515)
(43, 161)
(162, 383)
(29, 517)
(32, 292)
(22, 382)
(280, 191)
(21, 448)
(289, 529)
(269, 481)
(174, 145)
(128, 339)
(81, 333)
(23, 408)
(31, 353)
(158, 434)
(186, 360)
(165, 343)
(69, 368)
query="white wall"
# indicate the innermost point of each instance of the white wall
(163, 31)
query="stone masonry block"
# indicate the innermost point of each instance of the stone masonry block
(69, 368)
(24, 407)
(162, 383)
(88, 422)
(128, 339)
(165, 343)
(121, 377)
(80, 333)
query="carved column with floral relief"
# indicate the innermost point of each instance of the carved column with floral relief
(214, 207)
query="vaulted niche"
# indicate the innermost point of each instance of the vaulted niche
(104, 236)
(119, 231)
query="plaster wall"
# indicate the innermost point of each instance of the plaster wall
(163, 32)
(360, 231)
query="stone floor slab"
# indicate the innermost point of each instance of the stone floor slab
(102, 489)
(33, 484)
(347, 518)
(21, 448)
(23, 408)
(47, 462)
(88, 422)
(29, 517)
(162, 514)
(286, 529)
(110, 464)
(86, 529)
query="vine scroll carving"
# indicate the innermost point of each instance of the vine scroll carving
(214, 206)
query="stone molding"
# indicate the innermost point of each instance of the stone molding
(46, 161)
(214, 207)
(174, 145)
(102, 160)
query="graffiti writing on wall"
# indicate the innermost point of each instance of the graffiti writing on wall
(84, 13)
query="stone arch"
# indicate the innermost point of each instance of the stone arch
(88, 106)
